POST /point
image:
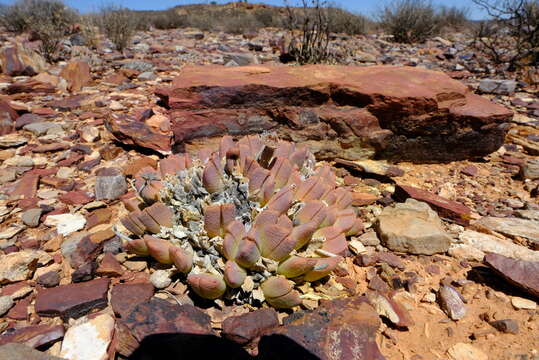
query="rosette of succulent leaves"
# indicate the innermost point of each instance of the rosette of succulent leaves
(248, 222)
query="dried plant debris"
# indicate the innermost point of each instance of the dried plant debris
(248, 222)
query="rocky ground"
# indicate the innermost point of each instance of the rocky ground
(454, 279)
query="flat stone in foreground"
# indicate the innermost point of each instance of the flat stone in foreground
(338, 329)
(73, 300)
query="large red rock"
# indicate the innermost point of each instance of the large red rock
(518, 272)
(338, 111)
(338, 329)
(77, 75)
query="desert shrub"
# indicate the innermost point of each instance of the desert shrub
(118, 24)
(268, 17)
(309, 45)
(453, 17)
(410, 21)
(511, 34)
(47, 20)
(169, 19)
(342, 21)
(239, 23)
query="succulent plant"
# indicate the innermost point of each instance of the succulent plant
(246, 222)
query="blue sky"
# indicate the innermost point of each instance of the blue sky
(364, 6)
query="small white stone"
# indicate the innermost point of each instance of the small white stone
(88, 340)
(66, 223)
(160, 279)
(521, 303)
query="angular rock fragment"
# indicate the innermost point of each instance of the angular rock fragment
(518, 272)
(158, 316)
(110, 184)
(34, 335)
(412, 227)
(19, 265)
(338, 329)
(89, 339)
(244, 328)
(528, 229)
(451, 301)
(444, 207)
(125, 297)
(462, 351)
(73, 300)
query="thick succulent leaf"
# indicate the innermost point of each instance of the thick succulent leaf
(296, 266)
(334, 240)
(284, 149)
(314, 210)
(270, 237)
(225, 144)
(150, 192)
(136, 227)
(247, 253)
(206, 285)
(281, 170)
(357, 228)
(303, 233)
(282, 200)
(149, 223)
(234, 274)
(340, 198)
(276, 286)
(235, 232)
(266, 191)
(212, 220)
(212, 176)
(137, 247)
(161, 213)
(298, 157)
(256, 179)
(286, 301)
(345, 220)
(173, 163)
(322, 268)
(283, 249)
(159, 249)
(183, 259)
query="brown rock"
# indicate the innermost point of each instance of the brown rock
(21, 60)
(508, 326)
(132, 132)
(125, 297)
(158, 316)
(73, 300)
(77, 75)
(338, 329)
(395, 112)
(518, 272)
(99, 216)
(77, 197)
(444, 207)
(244, 328)
(8, 117)
(34, 336)
(109, 266)
(31, 86)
